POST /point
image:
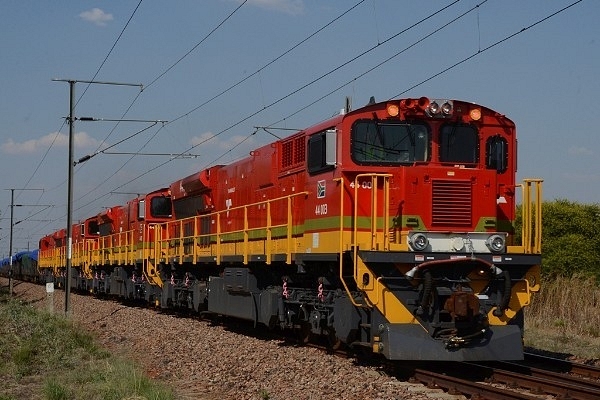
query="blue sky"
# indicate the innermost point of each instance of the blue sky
(219, 68)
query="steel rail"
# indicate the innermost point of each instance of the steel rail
(475, 390)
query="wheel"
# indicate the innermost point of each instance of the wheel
(304, 332)
(333, 341)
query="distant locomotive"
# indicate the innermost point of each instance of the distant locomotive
(389, 229)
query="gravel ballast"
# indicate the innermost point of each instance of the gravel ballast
(206, 361)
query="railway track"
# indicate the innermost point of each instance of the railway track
(514, 380)
(558, 365)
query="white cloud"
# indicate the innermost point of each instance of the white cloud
(222, 144)
(580, 151)
(199, 140)
(82, 140)
(96, 16)
(293, 7)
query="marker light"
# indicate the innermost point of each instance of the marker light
(423, 103)
(496, 243)
(419, 241)
(392, 109)
(475, 114)
(407, 104)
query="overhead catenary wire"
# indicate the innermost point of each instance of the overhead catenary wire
(281, 99)
(56, 136)
(381, 63)
(387, 60)
(480, 51)
(229, 88)
(288, 95)
(197, 44)
(137, 96)
(170, 68)
(312, 81)
(219, 25)
(279, 57)
(85, 158)
(222, 92)
(80, 97)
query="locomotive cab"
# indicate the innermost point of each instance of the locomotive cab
(430, 189)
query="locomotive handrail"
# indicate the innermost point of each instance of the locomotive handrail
(341, 244)
(531, 227)
(148, 265)
(116, 248)
(267, 226)
(375, 242)
(374, 245)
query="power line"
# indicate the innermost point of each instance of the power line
(480, 51)
(279, 100)
(322, 76)
(412, 87)
(169, 69)
(40, 163)
(279, 57)
(197, 44)
(221, 93)
(151, 83)
(80, 97)
(355, 78)
(387, 60)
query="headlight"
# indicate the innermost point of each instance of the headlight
(496, 243)
(434, 108)
(419, 241)
(447, 108)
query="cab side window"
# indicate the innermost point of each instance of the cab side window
(496, 153)
(321, 152)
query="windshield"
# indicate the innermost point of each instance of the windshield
(376, 142)
(459, 143)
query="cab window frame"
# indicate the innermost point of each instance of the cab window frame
(316, 152)
(496, 153)
(363, 146)
(458, 144)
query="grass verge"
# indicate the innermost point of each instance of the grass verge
(45, 356)
(564, 319)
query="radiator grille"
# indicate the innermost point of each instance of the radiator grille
(293, 153)
(452, 203)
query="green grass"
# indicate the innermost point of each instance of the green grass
(48, 357)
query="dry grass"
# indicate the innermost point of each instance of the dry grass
(564, 318)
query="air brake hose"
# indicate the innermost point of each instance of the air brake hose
(505, 296)
(427, 287)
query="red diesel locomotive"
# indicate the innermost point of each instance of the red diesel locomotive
(389, 228)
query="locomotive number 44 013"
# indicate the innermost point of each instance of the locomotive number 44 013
(321, 209)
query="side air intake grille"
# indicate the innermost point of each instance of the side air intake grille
(452, 203)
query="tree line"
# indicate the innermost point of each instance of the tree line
(570, 239)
